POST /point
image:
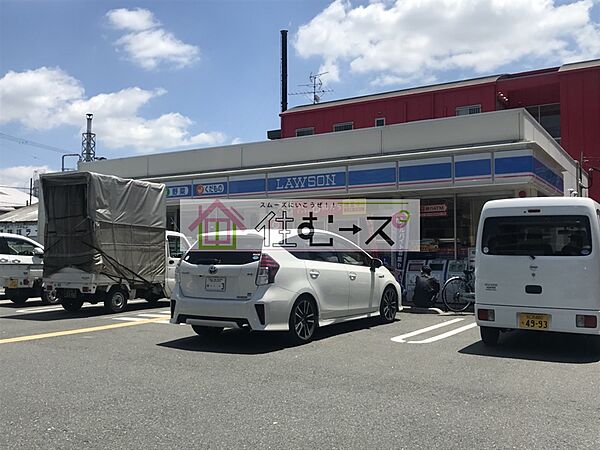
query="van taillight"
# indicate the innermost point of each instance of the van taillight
(584, 321)
(486, 315)
(267, 269)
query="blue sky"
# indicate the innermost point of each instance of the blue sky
(160, 75)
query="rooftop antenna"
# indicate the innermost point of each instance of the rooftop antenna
(284, 71)
(316, 85)
(88, 141)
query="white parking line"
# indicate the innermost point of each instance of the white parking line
(145, 316)
(166, 314)
(444, 335)
(43, 308)
(402, 337)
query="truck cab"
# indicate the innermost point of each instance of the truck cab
(21, 268)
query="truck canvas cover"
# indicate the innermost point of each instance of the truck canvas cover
(104, 225)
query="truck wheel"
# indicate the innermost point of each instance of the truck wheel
(72, 305)
(116, 301)
(49, 298)
(489, 335)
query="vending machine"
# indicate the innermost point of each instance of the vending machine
(438, 269)
(413, 268)
(456, 268)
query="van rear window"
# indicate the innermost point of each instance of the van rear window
(222, 257)
(537, 236)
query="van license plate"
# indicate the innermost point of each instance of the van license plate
(13, 284)
(534, 321)
(215, 284)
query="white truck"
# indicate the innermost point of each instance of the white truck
(106, 240)
(21, 269)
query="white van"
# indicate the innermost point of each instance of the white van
(538, 266)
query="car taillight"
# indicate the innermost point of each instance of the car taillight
(486, 314)
(267, 269)
(584, 321)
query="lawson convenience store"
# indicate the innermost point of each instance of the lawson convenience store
(452, 165)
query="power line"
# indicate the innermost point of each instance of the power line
(22, 141)
(15, 187)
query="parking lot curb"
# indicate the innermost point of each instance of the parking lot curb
(417, 310)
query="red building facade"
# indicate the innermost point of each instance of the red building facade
(565, 100)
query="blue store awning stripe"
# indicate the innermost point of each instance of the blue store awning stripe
(257, 185)
(372, 176)
(473, 168)
(513, 164)
(426, 172)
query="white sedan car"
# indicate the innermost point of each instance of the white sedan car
(295, 289)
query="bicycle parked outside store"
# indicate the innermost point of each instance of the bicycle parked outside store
(458, 293)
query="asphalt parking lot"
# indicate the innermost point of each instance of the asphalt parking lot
(90, 380)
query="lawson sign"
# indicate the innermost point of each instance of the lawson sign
(308, 181)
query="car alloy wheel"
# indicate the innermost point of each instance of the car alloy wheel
(389, 305)
(304, 320)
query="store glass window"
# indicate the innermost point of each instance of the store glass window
(548, 116)
(437, 228)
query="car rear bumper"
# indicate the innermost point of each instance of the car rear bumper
(267, 310)
(561, 320)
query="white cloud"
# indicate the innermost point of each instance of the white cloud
(36, 97)
(131, 19)
(148, 44)
(19, 175)
(45, 98)
(408, 40)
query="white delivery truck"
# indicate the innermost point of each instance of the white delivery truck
(538, 266)
(21, 269)
(106, 240)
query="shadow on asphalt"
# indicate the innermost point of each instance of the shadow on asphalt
(243, 342)
(86, 311)
(539, 346)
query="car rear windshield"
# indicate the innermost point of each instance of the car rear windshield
(222, 257)
(537, 236)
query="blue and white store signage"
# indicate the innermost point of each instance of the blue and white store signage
(472, 169)
(240, 185)
(519, 165)
(330, 179)
(547, 176)
(364, 176)
(437, 171)
(214, 187)
(514, 166)
(179, 190)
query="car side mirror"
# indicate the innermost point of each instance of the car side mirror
(376, 263)
(38, 252)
